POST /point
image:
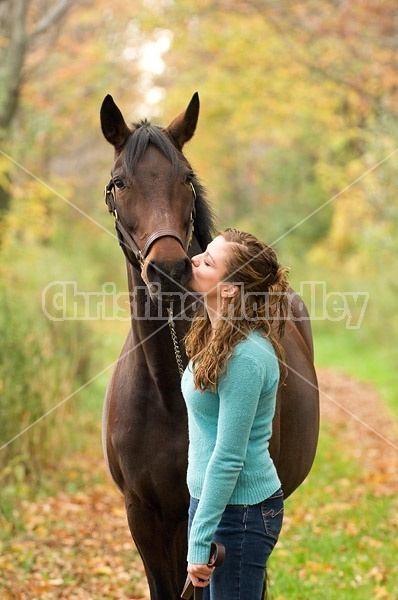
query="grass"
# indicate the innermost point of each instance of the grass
(364, 342)
(340, 537)
(349, 353)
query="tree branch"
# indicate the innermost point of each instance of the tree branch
(54, 14)
(12, 66)
(14, 54)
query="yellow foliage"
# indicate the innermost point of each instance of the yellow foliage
(29, 222)
(352, 215)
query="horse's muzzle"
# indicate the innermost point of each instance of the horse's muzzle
(168, 279)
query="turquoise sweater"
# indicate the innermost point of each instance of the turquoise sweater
(228, 459)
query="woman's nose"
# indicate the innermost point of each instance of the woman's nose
(195, 260)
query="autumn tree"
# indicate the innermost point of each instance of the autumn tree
(24, 24)
(53, 101)
(299, 101)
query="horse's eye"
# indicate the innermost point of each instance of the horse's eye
(118, 183)
(188, 178)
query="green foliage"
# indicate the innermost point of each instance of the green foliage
(41, 364)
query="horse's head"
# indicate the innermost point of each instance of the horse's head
(153, 195)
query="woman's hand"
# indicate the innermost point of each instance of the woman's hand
(200, 574)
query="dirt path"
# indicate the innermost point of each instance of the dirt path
(364, 426)
(77, 546)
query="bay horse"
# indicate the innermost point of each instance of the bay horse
(162, 218)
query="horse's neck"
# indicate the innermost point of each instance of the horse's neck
(150, 332)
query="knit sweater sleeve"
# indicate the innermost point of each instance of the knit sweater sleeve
(239, 392)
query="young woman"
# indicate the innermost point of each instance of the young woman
(230, 389)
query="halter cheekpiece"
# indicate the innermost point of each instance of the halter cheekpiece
(126, 241)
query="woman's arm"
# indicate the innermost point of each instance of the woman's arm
(239, 392)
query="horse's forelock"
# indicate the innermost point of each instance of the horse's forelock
(144, 134)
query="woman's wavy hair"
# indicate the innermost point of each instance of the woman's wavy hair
(260, 305)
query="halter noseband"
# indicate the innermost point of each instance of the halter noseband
(125, 239)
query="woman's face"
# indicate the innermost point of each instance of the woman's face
(210, 268)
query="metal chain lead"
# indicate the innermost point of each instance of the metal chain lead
(174, 338)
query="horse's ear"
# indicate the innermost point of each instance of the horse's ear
(113, 124)
(183, 127)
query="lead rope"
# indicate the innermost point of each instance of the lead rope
(174, 338)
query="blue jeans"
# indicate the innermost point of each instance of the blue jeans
(249, 534)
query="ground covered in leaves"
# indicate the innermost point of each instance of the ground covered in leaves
(76, 545)
(73, 546)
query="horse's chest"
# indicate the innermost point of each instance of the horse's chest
(147, 431)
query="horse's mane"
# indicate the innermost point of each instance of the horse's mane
(144, 134)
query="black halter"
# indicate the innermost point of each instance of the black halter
(126, 242)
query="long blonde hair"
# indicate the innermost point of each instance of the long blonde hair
(260, 305)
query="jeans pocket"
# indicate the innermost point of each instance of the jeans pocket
(272, 511)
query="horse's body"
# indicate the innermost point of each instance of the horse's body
(145, 422)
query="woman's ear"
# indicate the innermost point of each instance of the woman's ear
(229, 291)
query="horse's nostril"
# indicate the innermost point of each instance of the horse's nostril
(170, 276)
(181, 271)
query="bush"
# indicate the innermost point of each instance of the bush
(41, 364)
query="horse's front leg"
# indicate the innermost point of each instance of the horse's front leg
(161, 540)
